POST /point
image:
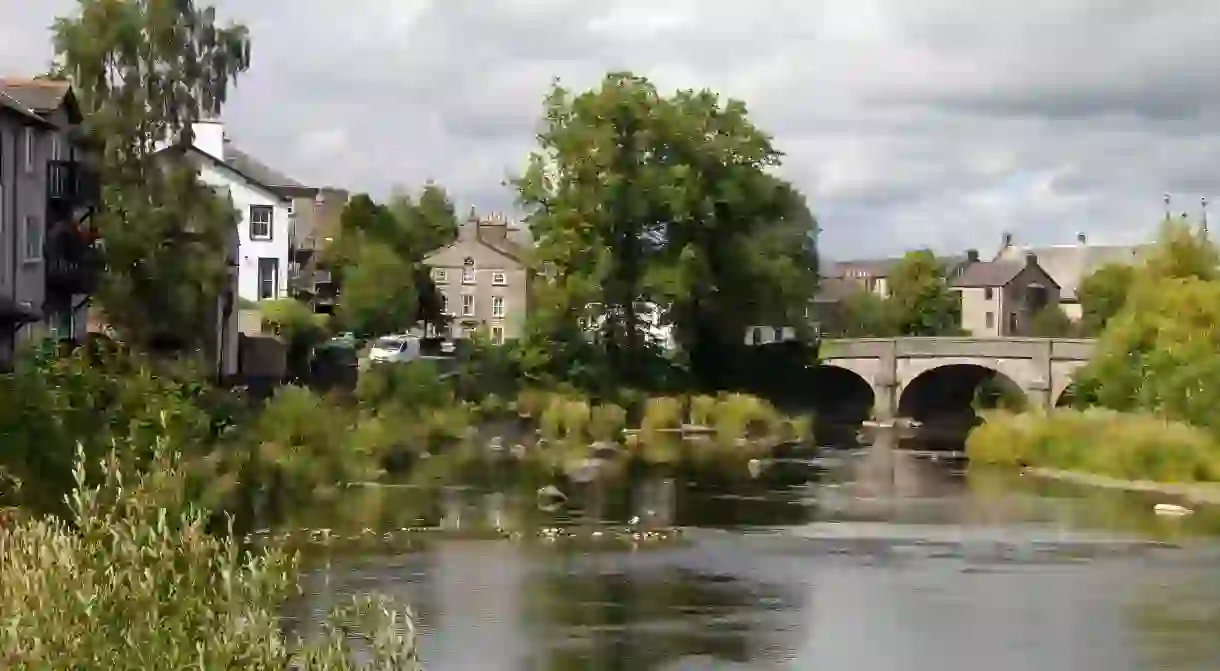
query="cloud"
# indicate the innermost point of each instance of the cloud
(936, 123)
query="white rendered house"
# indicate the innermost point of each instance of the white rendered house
(263, 197)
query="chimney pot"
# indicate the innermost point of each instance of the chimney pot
(1031, 259)
(1006, 240)
(972, 255)
(1080, 237)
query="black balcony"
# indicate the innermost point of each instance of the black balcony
(71, 184)
(73, 264)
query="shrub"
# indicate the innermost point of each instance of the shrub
(606, 422)
(741, 416)
(129, 584)
(1104, 442)
(703, 410)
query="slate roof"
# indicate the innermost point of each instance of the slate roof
(883, 267)
(257, 170)
(988, 273)
(40, 95)
(13, 106)
(1068, 265)
(834, 289)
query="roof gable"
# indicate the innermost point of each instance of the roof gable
(225, 167)
(988, 274)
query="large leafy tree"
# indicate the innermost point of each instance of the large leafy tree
(379, 259)
(144, 70)
(1103, 294)
(922, 303)
(1158, 353)
(635, 197)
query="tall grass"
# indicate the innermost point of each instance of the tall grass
(132, 580)
(1104, 442)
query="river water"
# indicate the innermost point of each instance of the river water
(801, 570)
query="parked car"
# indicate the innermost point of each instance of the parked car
(394, 349)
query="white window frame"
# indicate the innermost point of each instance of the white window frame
(31, 245)
(445, 304)
(467, 305)
(440, 276)
(499, 278)
(468, 271)
(270, 223)
(30, 142)
(497, 306)
(497, 335)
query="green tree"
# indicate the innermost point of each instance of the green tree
(143, 71)
(379, 293)
(864, 314)
(635, 197)
(922, 302)
(410, 231)
(1158, 354)
(1103, 294)
(1051, 322)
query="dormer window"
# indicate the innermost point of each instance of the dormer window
(440, 276)
(468, 271)
(499, 278)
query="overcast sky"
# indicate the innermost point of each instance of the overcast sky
(907, 123)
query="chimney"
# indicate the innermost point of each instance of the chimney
(1006, 240)
(1031, 259)
(494, 228)
(1081, 239)
(210, 137)
(972, 255)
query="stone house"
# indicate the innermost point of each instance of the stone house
(1000, 298)
(1070, 264)
(484, 278)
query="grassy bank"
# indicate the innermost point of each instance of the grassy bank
(1126, 446)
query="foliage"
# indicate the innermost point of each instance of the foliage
(99, 401)
(637, 198)
(143, 71)
(922, 302)
(1103, 294)
(867, 315)
(300, 328)
(1051, 322)
(1134, 446)
(376, 240)
(128, 584)
(379, 293)
(1158, 354)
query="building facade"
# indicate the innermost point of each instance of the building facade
(1070, 264)
(1000, 298)
(484, 279)
(49, 263)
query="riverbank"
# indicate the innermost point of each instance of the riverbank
(1197, 494)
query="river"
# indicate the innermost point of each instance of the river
(801, 570)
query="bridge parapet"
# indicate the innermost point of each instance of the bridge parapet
(1041, 367)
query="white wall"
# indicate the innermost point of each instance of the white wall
(250, 251)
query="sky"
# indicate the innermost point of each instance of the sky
(906, 123)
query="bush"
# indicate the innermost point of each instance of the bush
(606, 422)
(130, 585)
(1120, 445)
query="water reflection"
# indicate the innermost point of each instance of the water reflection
(798, 569)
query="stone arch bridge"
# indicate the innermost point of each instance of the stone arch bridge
(907, 376)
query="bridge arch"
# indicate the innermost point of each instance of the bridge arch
(842, 395)
(947, 394)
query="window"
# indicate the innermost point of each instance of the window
(30, 143)
(497, 306)
(990, 320)
(467, 305)
(260, 222)
(57, 147)
(497, 335)
(440, 276)
(468, 271)
(1013, 324)
(444, 304)
(988, 293)
(268, 278)
(499, 278)
(31, 236)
